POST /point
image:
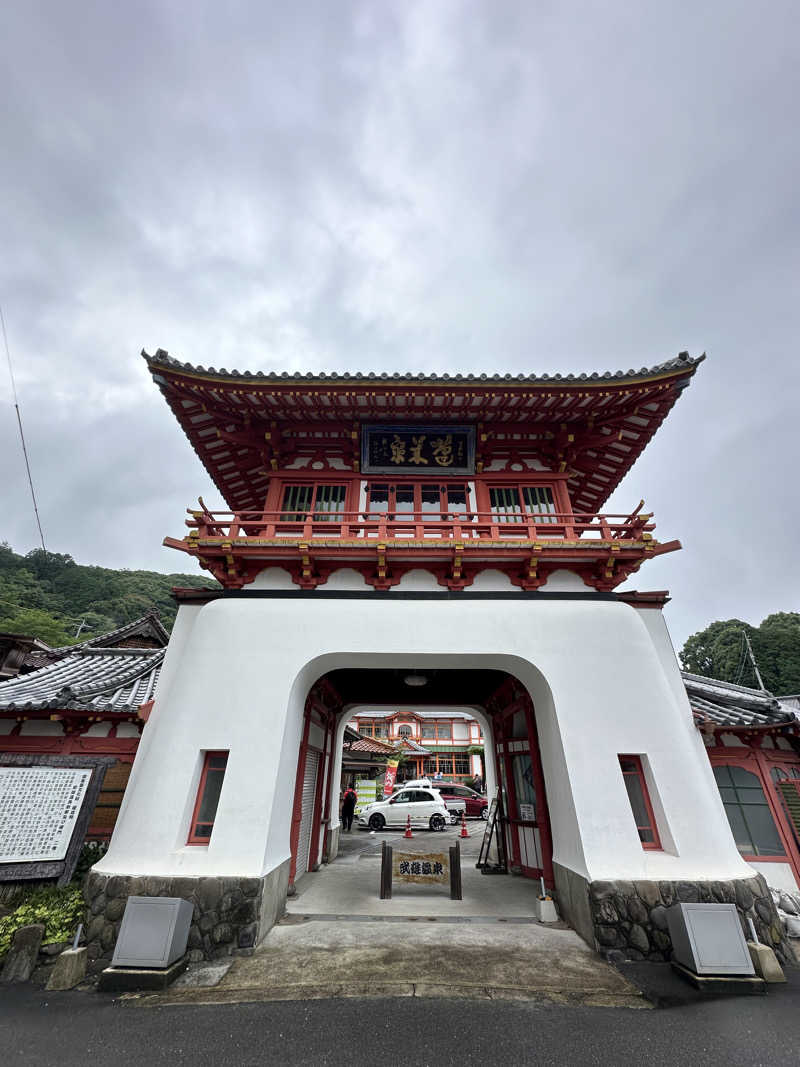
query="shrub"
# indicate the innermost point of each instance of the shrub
(60, 910)
(91, 852)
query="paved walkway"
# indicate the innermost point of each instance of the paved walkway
(338, 939)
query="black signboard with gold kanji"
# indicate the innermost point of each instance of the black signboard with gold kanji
(419, 449)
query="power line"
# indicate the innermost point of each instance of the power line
(19, 423)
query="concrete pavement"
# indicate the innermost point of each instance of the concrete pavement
(339, 939)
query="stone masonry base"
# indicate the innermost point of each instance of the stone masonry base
(230, 914)
(628, 920)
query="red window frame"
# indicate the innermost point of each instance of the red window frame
(443, 485)
(652, 828)
(194, 838)
(299, 514)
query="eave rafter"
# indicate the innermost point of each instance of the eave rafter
(274, 417)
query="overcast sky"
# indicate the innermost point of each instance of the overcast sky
(418, 186)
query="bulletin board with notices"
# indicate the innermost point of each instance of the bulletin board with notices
(46, 803)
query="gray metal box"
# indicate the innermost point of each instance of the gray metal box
(153, 933)
(708, 939)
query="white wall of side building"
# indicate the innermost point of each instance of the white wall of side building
(238, 670)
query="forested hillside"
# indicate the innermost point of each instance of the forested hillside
(48, 595)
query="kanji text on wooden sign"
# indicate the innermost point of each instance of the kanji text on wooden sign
(421, 868)
(421, 449)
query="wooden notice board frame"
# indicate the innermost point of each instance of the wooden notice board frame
(387, 857)
(62, 870)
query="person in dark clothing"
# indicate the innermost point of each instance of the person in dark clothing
(349, 802)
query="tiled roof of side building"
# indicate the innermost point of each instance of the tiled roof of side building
(725, 704)
(118, 680)
(680, 362)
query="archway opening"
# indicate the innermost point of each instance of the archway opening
(451, 729)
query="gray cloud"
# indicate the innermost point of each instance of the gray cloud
(405, 186)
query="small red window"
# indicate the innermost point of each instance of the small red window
(639, 797)
(205, 808)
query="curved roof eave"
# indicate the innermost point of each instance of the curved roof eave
(682, 362)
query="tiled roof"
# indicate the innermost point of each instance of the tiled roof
(87, 679)
(597, 424)
(148, 625)
(682, 361)
(725, 704)
(414, 748)
(370, 744)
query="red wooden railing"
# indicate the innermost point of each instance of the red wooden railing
(454, 526)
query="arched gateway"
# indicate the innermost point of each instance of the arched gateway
(447, 526)
(506, 713)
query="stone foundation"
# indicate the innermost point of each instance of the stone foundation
(628, 920)
(230, 914)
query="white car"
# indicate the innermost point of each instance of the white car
(456, 806)
(425, 806)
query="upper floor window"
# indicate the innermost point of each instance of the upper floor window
(437, 731)
(748, 811)
(512, 502)
(320, 500)
(433, 501)
(372, 729)
(404, 730)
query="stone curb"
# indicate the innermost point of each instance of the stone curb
(585, 997)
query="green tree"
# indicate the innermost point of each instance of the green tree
(719, 651)
(48, 595)
(35, 623)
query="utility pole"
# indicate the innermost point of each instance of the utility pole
(753, 661)
(82, 626)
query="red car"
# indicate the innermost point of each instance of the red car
(476, 806)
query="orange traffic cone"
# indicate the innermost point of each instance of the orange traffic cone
(408, 827)
(463, 826)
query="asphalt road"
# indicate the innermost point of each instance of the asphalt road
(79, 1028)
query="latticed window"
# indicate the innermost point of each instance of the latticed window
(321, 500)
(429, 731)
(787, 784)
(510, 503)
(432, 501)
(404, 730)
(461, 763)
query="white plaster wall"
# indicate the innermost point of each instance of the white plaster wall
(41, 728)
(565, 581)
(419, 580)
(272, 578)
(238, 671)
(777, 875)
(490, 581)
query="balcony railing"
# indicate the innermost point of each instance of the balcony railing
(418, 525)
